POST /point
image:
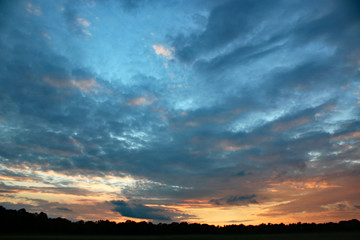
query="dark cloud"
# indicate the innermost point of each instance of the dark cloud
(68, 190)
(235, 200)
(341, 17)
(6, 191)
(241, 173)
(136, 210)
(64, 209)
(239, 56)
(131, 5)
(225, 23)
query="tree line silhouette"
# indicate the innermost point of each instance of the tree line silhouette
(23, 222)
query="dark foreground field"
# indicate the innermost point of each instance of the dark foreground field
(290, 236)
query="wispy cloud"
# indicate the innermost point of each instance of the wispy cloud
(31, 8)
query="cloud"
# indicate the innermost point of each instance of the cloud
(64, 209)
(141, 101)
(235, 200)
(136, 210)
(83, 22)
(241, 173)
(291, 124)
(163, 51)
(87, 86)
(132, 5)
(76, 24)
(226, 145)
(314, 202)
(226, 23)
(346, 137)
(36, 10)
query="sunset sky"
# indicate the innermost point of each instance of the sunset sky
(210, 111)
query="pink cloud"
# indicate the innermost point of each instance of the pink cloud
(163, 51)
(141, 101)
(290, 124)
(346, 137)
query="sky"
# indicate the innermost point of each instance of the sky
(210, 111)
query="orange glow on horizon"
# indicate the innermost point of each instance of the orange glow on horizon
(90, 198)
